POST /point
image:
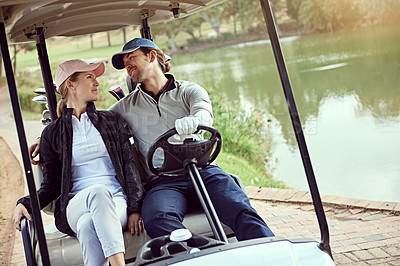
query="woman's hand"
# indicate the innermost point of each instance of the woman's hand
(34, 151)
(135, 223)
(20, 211)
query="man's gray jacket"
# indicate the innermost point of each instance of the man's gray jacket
(148, 117)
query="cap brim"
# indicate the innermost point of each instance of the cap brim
(117, 59)
(100, 69)
(97, 68)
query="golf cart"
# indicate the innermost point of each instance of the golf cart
(35, 20)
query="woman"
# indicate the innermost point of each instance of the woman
(89, 166)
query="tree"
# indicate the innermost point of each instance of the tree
(326, 15)
(293, 7)
(91, 40)
(171, 29)
(214, 13)
(21, 48)
(108, 39)
(250, 16)
(191, 23)
(124, 33)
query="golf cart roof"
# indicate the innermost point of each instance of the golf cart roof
(77, 17)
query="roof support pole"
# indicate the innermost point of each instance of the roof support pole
(46, 72)
(145, 29)
(298, 130)
(37, 218)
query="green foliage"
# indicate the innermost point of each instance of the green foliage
(25, 100)
(242, 130)
(251, 174)
(28, 115)
(192, 23)
(3, 82)
(326, 15)
(224, 37)
(27, 82)
(105, 99)
(29, 46)
(245, 148)
(293, 7)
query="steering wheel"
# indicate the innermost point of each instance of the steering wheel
(175, 154)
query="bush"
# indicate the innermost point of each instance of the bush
(26, 103)
(246, 147)
(26, 83)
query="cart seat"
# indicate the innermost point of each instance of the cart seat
(65, 250)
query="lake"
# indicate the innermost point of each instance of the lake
(347, 91)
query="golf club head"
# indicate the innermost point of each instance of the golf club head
(117, 92)
(40, 99)
(40, 91)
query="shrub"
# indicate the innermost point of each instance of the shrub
(242, 130)
(246, 147)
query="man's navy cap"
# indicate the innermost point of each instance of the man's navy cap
(132, 45)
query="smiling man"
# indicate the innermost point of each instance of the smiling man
(158, 104)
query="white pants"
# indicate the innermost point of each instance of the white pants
(98, 218)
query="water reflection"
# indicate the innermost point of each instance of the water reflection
(346, 89)
(353, 154)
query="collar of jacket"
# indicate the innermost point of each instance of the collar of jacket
(170, 86)
(90, 110)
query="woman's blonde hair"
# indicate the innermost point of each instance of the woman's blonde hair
(63, 90)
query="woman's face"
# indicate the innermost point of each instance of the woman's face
(85, 87)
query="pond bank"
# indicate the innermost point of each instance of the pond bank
(284, 30)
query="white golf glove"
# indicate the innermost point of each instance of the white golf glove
(186, 125)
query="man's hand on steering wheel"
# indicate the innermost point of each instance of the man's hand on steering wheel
(186, 125)
(176, 154)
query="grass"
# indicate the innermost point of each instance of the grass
(28, 115)
(250, 173)
(3, 81)
(246, 148)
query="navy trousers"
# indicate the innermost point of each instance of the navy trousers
(168, 199)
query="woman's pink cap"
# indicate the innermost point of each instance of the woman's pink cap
(69, 67)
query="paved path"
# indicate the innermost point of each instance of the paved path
(361, 232)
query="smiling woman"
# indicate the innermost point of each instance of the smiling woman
(77, 88)
(80, 153)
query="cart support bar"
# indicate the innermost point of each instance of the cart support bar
(37, 218)
(205, 201)
(46, 72)
(145, 30)
(287, 89)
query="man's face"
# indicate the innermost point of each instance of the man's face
(137, 65)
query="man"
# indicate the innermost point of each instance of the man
(159, 103)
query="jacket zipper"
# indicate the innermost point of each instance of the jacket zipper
(158, 109)
(156, 102)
